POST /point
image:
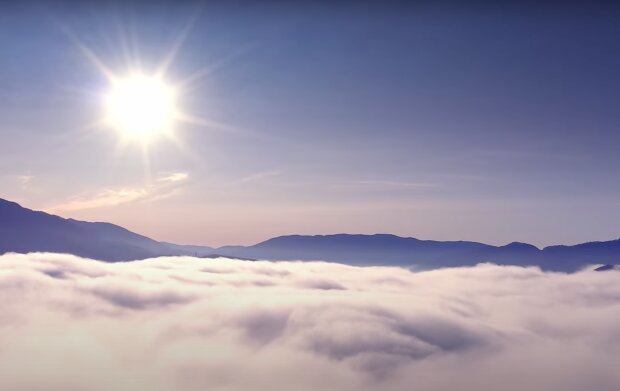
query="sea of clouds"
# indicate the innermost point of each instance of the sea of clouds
(183, 323)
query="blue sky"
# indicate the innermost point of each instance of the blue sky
(488, 123)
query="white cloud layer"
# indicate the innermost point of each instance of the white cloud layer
(197, 324)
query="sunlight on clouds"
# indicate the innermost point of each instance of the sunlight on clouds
(160, 188)
(24, 179)
(176, 177)
(196, 324)
(256, 177)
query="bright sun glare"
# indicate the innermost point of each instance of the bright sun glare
(140, 106)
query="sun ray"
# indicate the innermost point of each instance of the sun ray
(179, 42)
(191, 80)
(146, 161)
(207, 123)
(183, 147)
(123, 43)
(87, 52)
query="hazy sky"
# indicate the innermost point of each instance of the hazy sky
(482, 123)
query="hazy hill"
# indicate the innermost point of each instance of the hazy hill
(426, 254)
(24, 230)
(382, 249)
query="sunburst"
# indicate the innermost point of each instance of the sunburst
(143, 106)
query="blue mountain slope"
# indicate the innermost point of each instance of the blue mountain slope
(426, 254)
(24, 230)
(382, 249)
(574, 256)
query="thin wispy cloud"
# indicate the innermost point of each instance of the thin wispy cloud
(161, 187)
(24, 179)
(388, 183)
(379, 185)
(257, 177)
(175, 177)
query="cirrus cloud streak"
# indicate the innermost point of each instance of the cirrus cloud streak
(162, 187)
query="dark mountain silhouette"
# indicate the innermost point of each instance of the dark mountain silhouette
(24, 230)
(384, 249)
(606, 268)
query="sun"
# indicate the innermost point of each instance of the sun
(140, 102)
(140, 107)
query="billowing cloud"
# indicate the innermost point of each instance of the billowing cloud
(218, 324)
(162, 187)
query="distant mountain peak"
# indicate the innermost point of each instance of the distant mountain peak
(521, 245)
(23, 230)
(6, 203)
(605, 268)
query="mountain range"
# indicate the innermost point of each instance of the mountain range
(23, 230)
